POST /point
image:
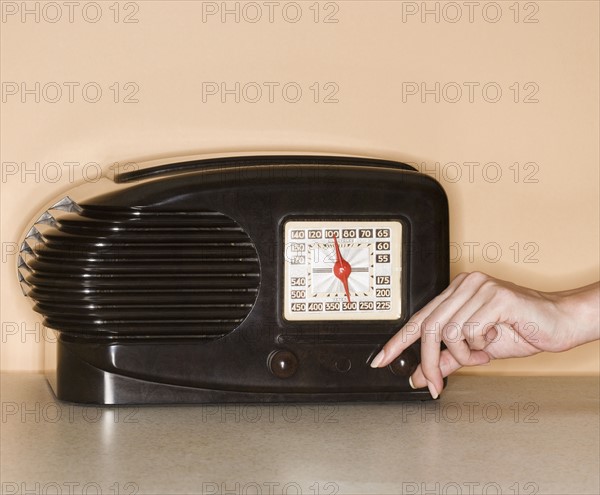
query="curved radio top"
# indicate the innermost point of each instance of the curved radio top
(253, 160)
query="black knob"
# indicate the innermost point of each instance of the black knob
(282, 363)
(343, 365)
(405, 364)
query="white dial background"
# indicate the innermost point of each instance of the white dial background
(313, 292)
(323, 282)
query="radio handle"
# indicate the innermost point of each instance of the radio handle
(245, 161)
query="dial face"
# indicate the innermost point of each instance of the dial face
(342, 270)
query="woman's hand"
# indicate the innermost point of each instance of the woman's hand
(480, 318)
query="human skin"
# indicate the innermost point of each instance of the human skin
(481, 318)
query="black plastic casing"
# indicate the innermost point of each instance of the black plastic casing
(332, 358)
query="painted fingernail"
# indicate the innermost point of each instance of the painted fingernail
(412, 385)
(432, 390)
(378, 359)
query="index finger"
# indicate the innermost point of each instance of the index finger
(411, 331)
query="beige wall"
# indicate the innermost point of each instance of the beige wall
(544, 219)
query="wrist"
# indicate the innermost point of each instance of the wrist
(580, 319)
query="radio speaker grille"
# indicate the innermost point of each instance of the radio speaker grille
(111, 273)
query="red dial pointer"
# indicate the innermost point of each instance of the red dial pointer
(341, 268)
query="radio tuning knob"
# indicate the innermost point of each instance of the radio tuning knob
(405, 364)
(282, 363)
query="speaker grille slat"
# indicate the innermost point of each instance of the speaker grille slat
(111, 273)
(145, 254)
(111, 269)
(144, 297)
(125, 238)
(133, 283)
(124, 312)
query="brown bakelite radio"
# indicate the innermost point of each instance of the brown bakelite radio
(237, 279)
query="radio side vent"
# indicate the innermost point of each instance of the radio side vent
(110, 273)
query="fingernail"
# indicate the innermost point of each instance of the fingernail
(432, 390)
(412, 385)
(378, 359)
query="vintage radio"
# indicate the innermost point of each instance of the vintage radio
(237, 279)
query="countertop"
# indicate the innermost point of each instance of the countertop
(509, 435)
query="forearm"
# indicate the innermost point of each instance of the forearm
(580, 310)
